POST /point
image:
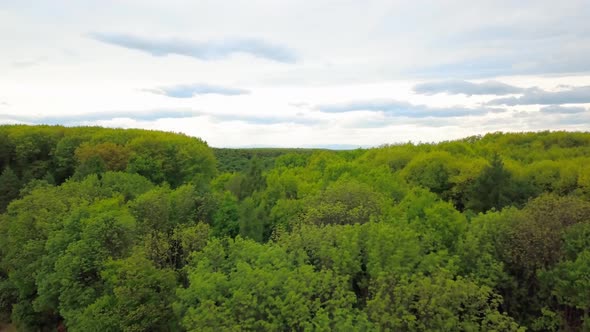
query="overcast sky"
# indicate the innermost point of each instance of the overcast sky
(298, 73)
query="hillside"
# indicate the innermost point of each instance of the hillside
(135, 230)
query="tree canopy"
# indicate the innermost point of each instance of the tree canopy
(134, 230)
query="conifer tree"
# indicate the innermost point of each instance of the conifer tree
(490, 189)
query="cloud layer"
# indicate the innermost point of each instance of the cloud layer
(153, 115)
(466, 88)
(203, 50)
(405, 109)
(575, 95)
(150, 115)
(191, 90)
(558, 109)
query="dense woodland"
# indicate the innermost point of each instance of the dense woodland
(134, 230)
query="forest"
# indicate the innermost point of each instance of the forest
(136, 230)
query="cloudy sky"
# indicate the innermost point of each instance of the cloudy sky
(298, 73)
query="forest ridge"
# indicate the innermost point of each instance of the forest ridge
(135, 230)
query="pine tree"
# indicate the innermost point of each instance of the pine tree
(490, 189)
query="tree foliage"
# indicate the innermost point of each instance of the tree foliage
(133, 230)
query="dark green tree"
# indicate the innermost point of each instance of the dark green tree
(251, 226)
(94, 165)
(64, 158)
(254, 181)
(9, 188)
(491, 188)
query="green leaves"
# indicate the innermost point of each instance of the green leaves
(136, 297)
(436, 303)
(344, 202)
(101, 231)
(432, 171)
(241, 285)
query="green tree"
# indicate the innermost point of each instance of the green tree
(438, 223)
(114, 156)
(9, 188)
(432, 171)
(532, 240)
(226, 220)
(436, 303)
(569, 282)
(242, 285)
(93, 165)
(137, 297)
(251, 225)
(91, 236)
(491, 188)
(27, 257)
(344, 202)
(152, 211)
(64, 157)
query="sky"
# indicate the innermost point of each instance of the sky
(298, 73)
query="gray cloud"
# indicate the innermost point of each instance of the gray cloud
(531, 120)
(405, 109)
(576, 95)
(150, 115)
(514, 60)
(266, 120)
(191, 90)
(582, 119)
(466, 87)
(558, 109)
(537, 38)
(153, 115)
(203, 50)
(387, 121)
